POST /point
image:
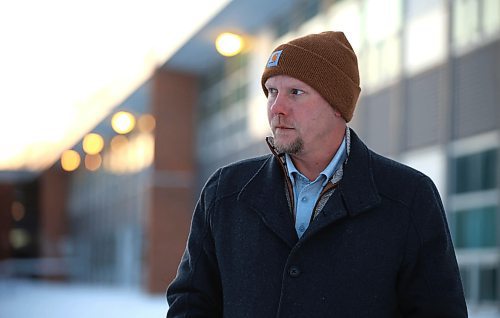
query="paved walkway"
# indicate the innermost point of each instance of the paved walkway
(25, 298)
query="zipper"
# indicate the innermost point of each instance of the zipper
(329, 187)
(288, 183)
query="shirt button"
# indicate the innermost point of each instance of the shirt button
(302, 228)
(294, 271)
(304, 199)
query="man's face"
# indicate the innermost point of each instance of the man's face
(301, 120)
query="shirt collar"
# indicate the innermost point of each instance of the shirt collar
(337, 160)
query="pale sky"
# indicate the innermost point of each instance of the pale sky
(65, 64)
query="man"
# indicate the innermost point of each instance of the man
(322, 227)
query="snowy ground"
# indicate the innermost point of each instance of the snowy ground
(24, 298)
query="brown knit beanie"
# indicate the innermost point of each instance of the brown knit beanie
(326, 62)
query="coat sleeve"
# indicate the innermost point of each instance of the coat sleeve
(196, 290)
(429, 282)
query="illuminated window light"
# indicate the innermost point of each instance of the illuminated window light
(229, 44)
(18, 211)
(70, 160)
(93, 143)
(130, 155)
(123, 122)
(93, 162)
(19, 238)
(118, 142)
(146, 123)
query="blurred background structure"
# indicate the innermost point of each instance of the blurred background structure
(115, 210)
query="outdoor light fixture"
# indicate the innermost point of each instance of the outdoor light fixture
(229, 44)
(123, 122)
(70, 160)
(93, 143)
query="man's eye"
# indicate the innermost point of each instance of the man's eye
(272, 91)
(296, 91)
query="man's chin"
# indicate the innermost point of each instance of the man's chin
(290, 147)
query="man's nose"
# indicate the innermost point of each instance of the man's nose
(279, 105)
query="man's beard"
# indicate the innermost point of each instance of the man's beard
(292, 148)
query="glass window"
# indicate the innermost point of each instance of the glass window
(487, 284)
(391, 61)
(415, 8)
(210, 90)
(382, 19)
(475, 172)
(465, 21)
(491, 16)
(474, 20)
(489, 169)
(421, 49)
(380, 63)
(346, 16)
(474, 220)
(224, 93)
(480, 283)
(380, 59)
(474, 228)
(371, 65)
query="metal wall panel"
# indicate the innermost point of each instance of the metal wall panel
(424, 100)
(477, 85)
(378, 118)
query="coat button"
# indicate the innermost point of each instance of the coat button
(294, 271)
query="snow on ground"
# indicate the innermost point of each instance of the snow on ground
(30, 298)
(26, 298)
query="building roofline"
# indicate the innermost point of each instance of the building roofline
(199, 53)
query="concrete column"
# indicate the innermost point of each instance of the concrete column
(6, 199)
(53, 224)
(174, 98)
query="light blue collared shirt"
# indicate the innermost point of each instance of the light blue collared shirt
(307, 192)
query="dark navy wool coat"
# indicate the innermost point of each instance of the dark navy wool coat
(379, 248)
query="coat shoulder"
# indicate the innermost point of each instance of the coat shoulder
(235, 176)
(395, 180)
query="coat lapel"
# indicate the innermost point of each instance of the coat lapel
(356, 192)
(265, 194)
(333, 210)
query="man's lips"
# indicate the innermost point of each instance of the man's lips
(282, 130)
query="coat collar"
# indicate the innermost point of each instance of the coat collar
(356, 193)
(357, 188)
(266, 194)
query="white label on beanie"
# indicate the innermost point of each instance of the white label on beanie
(274, 58)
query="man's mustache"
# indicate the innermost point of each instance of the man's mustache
(279, 122)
